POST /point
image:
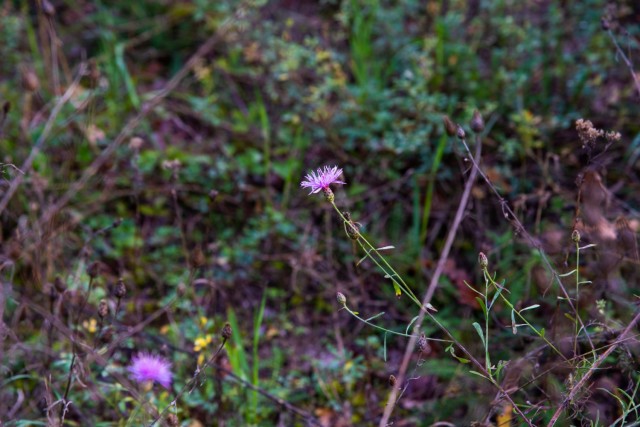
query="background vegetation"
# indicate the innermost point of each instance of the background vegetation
(160, 145)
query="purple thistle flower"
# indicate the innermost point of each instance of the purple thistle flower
(149, 368)
(321, 179)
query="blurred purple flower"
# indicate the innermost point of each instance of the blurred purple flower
(322, 178)
(147, 367)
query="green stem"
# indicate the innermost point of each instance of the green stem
(389, 331)
(575, 321)
(508, 303)
(387, 269)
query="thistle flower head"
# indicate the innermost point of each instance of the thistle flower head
(150, 368)
(322, 178)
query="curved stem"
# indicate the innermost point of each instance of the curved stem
(389, 331)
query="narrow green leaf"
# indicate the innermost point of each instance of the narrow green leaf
(478, 374)
(591, 245)
(384, 348)
(479, 330)
(567, 274)
(410, 323)
(482, 306)
(374, 317)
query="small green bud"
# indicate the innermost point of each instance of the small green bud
(575, 236)
(328, 194)
(482, 260)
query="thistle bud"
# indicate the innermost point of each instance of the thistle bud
(392, 380)
(328, 194)
(575, 236)
(226, 331)
(59, 284)
(477, 122)
(341, 298)
(450, 127)
(94, 270)
(482, 260)
(120, 290)
(460, 132)
(605, 24)
(423, 345)
(103, 309)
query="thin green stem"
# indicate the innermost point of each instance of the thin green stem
(575, 321)
(389, 331)
(487, 357)
(388, 270)
(488, 278)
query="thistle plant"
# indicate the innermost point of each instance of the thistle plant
(321, 180)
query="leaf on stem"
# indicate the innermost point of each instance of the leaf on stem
(478, 328)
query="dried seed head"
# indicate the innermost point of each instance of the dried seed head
(450, 127)
(575, 236)
(588, 133)
(103, 309)
(460, 132)
(226, 331)
(477, 122)
(341, 298)
(423, 345)
(482, 260)
(172, 420)
(612, 136)
(94, 270)
(59, 284)
(392, 380)
(121, 289)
